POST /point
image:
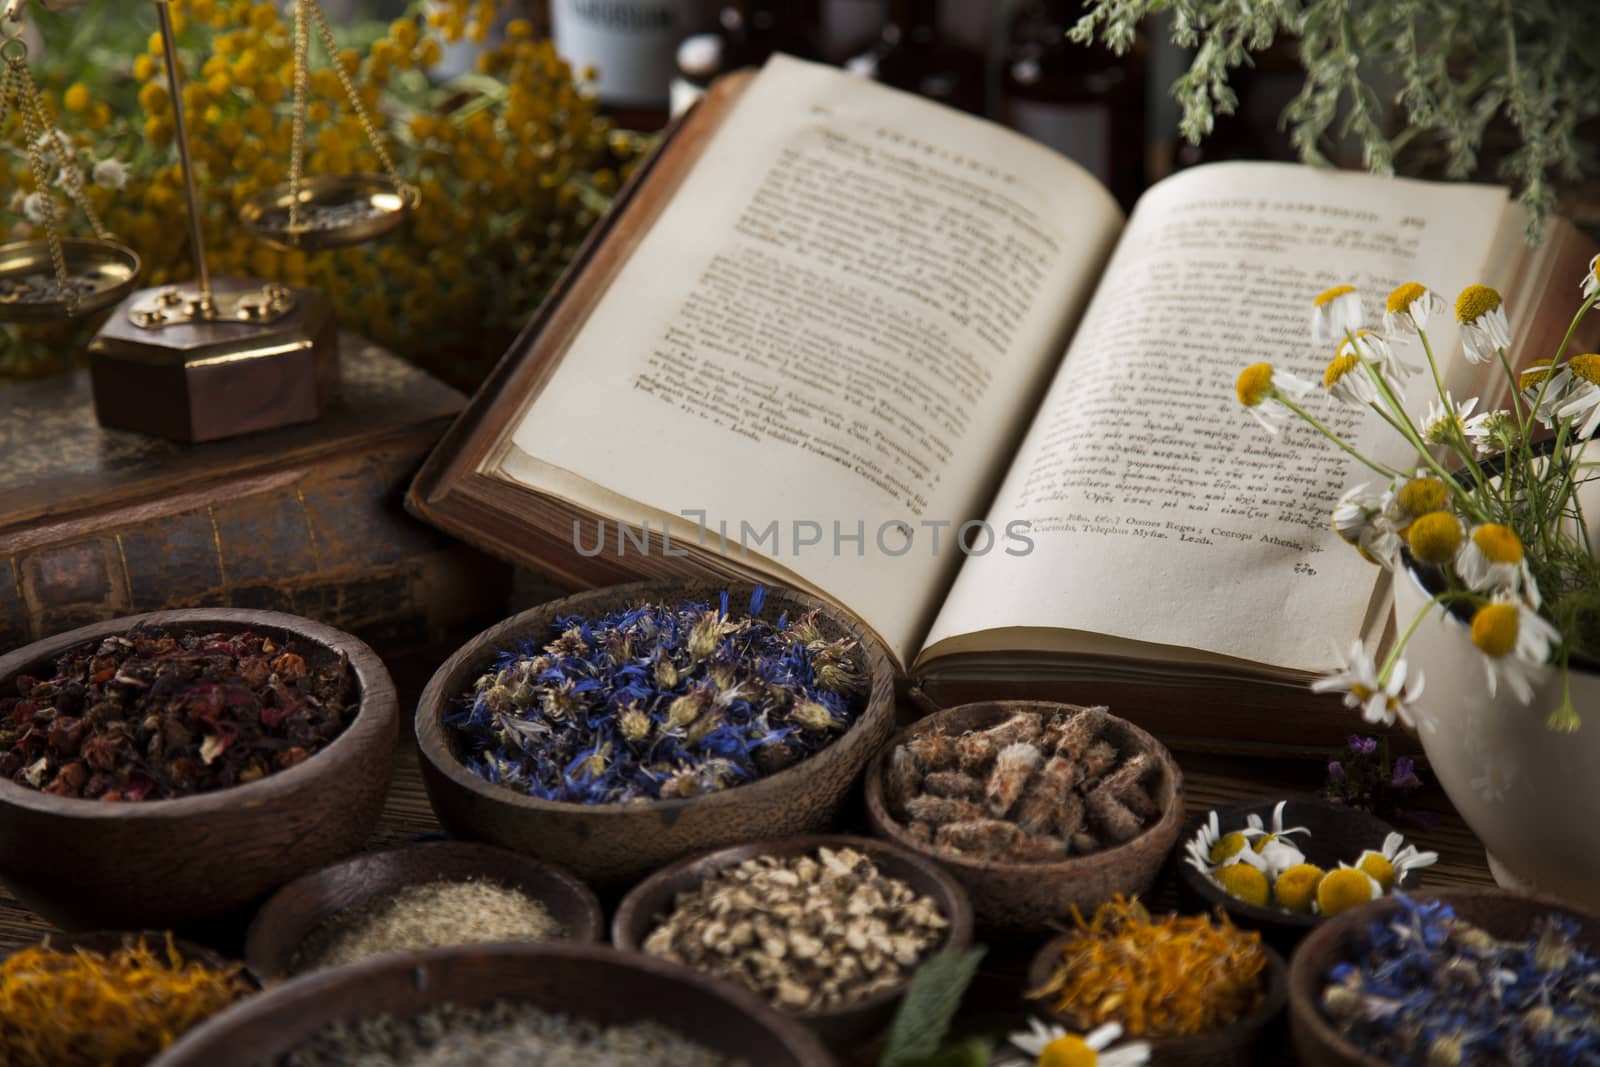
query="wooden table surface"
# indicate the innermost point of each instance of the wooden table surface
(1210, 781)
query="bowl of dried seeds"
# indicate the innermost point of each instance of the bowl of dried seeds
(1034, 807)
(827, 928)
(170, 770)
(501, 1005)
(618, 730)
(1459, 976)
(427, 895)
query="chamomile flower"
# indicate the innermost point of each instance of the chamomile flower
(1274, 847)
(1295, 890)
(1492, 560)
(1435, 537)
(111, 174)
(1512, 638)
(1582, 398)
(1210, 847)
(1334, 313)
(1446, 421)
(1260, 385)
(1409, 308)
(1591, 280)
(1359, 521)
(1346, 379)
(1411, 498)
(1245, 877)
(1543, 389)
(37, 207)
(1492, 432)
(1389, 865)
(1050, 1045)
(1484, 329)
(1344, 888)
(1381, 700)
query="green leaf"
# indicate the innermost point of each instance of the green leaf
(930, 1004)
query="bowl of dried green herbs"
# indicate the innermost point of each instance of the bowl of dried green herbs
(827, 928)
(1459, 976)
(1036, 808)
(618, 730)
(502, 1005)
(423, 895)
(169, 770)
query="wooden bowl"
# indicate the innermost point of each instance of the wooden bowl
(294, 912)
(1019, 898)
(1343, 937)
(588, 981)
(184, 862)
(841, 1028)
(610, 845)
(1255, 1038)
(1337, 833)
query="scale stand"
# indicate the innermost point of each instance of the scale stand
(202, 361)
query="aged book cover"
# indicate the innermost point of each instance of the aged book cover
(97, 523)
(843, 339)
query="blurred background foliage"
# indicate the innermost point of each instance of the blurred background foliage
(513, 160)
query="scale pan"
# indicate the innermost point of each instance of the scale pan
(103, 272)
(335, 210)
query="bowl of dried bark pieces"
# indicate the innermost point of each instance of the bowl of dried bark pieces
(1034, 807)
(826, 928)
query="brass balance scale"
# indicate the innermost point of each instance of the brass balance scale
(211, 358)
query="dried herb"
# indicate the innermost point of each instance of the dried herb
(659, 702)
(152, 714)
(503, 1034)
(809, 933)
(431, 915)
(1177, 975)
(1038, 786)
(85, 1009)
(1431, 989)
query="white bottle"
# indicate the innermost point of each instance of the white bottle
(633, 45)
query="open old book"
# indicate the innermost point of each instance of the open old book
(840, 338)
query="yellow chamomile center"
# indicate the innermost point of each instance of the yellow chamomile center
(1245, 882)
(1381, 870)
(1435, 537)
(1403, 297)
(1534, 376)
(1499, 544)
(1476, 301)
(1068, 1051)
(1263, 841)
(1494, 629)
(1338, 367)
(1586, 366)
(1297, 887)
(1342, 890)
(1229, 845)
(1254, 384)
(1420, 496)
(1329, 295)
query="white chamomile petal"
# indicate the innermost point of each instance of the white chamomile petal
(1334, 313)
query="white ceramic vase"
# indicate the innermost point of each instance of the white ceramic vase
(1531, 794)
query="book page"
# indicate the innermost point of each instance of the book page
(1160, 512)
(825, 349)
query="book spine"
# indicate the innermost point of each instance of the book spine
(328, 541)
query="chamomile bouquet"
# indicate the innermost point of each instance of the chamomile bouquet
(1490, 510)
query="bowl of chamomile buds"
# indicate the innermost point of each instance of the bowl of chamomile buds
(1282, 866)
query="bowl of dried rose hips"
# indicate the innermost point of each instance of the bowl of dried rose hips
(1034, 807)
(169, 770)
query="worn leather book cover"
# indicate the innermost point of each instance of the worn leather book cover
(308, 519)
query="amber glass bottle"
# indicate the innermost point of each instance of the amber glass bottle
(913, 55)
(1082, 100)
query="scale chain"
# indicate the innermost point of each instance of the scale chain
(354, 96)
(71, 176)
(297, 162)
(19, 74)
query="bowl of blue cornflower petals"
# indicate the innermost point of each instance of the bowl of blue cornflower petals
(1479, 977)
(617, 730)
